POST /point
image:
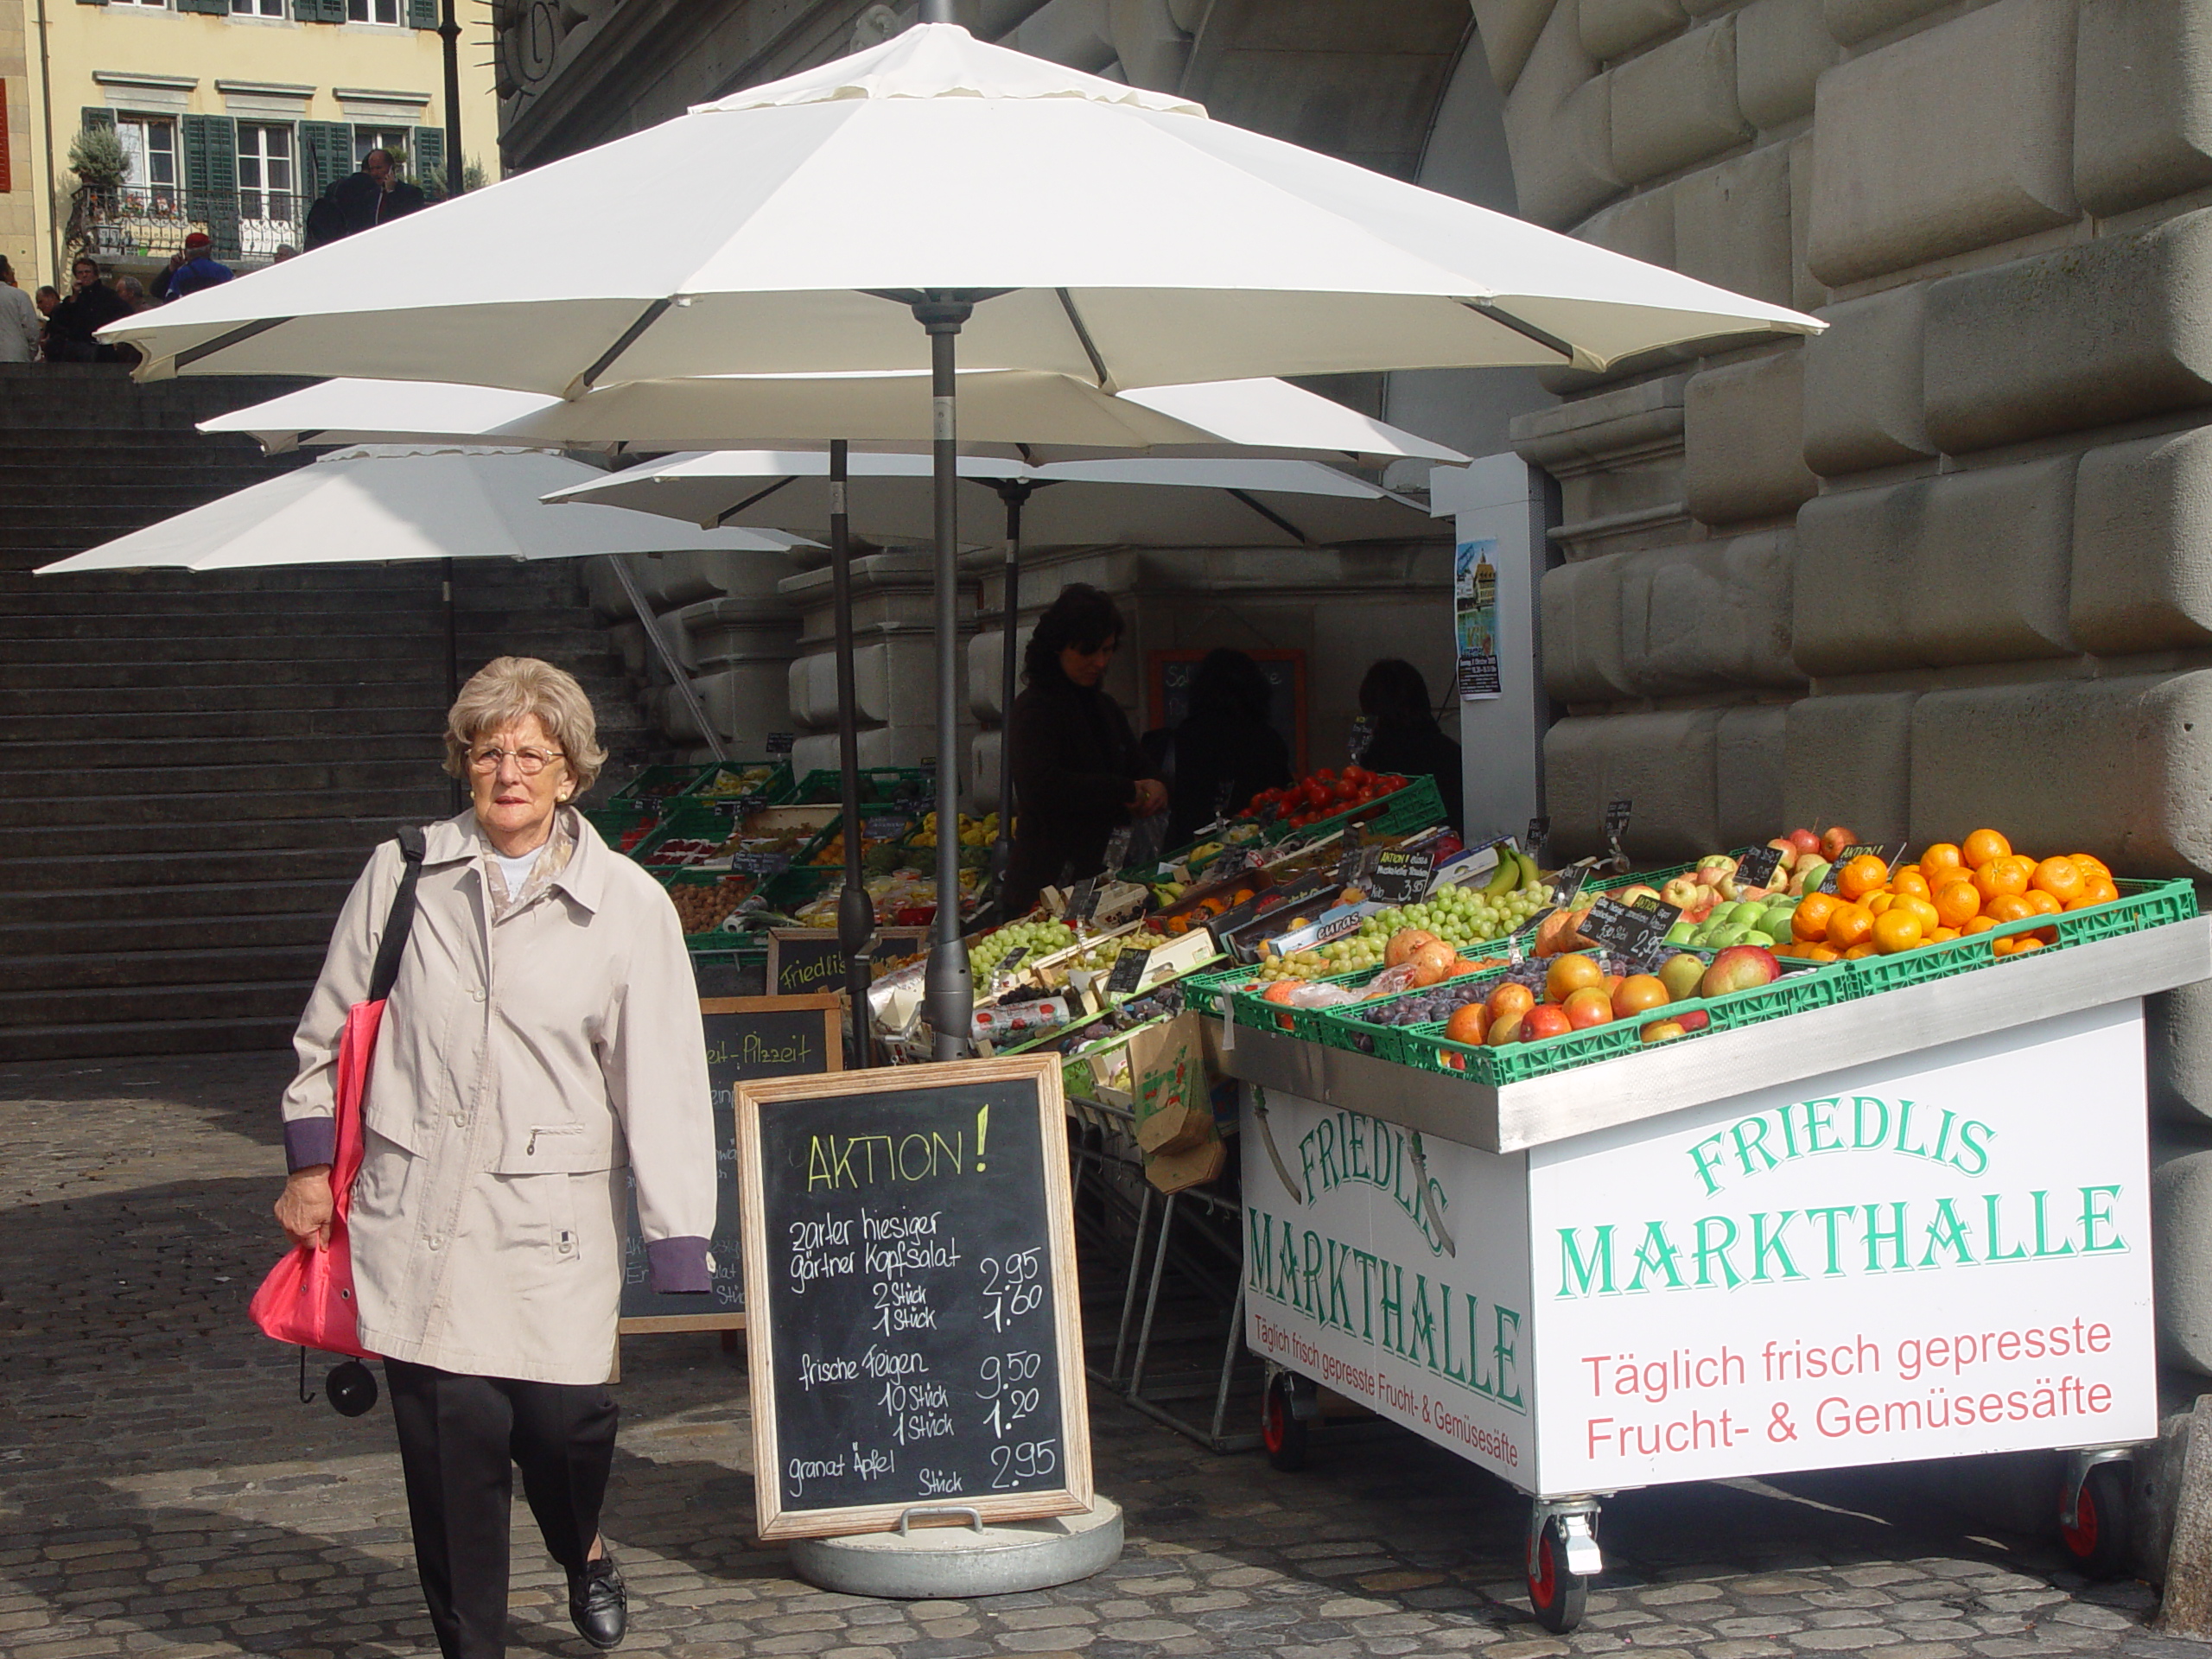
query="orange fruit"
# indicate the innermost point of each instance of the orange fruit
(2061, 878)
(1940, 861)
(1897, 930)
(1810, 920)
(2101, 892)
(1823, 953)
(1879, 900)
(2002, 947)
(2008, 907)
(1943, 936)
(2021, 947)
(1930, 919)
(1857, 951)
(1850, 924)
(1912, 881)
(1956, 902)
(1864, 874)
(2089, 863)
(1976, 925)
(2041, 902)
(1984, 847)
(1999, 878)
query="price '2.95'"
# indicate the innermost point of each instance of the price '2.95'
(1011, 1288)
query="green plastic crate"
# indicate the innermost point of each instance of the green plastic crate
(880, 785)
(661, 783)
(776, 792)
(684, 822)
(619, 819)
(2140, 904)
(1256, 1013)
(1416, 806)
(680, 877)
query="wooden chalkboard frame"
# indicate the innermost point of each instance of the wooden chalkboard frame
(771, 1520)
(831, 1007)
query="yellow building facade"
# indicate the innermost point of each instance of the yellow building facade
(231, 115)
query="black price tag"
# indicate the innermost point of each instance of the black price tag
(886, 829)
(1540, 831)
(1082, 903)
(1401, 878)
(1117, 846)
(1569, 886)
(1231, 861)
(761, 863)
(1225, 799)
(782, 742)
(1617, 820)
(1129, 973)
(1636, 932)
(1351, 864)
(1756, 869)
(1363, 736)
(1007, 963)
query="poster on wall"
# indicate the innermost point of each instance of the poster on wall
(1474, 617)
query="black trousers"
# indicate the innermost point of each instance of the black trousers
(460, 1439)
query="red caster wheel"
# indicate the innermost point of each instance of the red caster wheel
(2097, 1538)
(1283, 1434)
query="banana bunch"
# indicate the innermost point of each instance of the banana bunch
(974, 832)
(1515, 873)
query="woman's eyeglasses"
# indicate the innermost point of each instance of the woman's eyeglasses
(529, 762)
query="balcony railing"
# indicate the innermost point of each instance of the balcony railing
(140, 223)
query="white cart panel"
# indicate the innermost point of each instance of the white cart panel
(1409, 1295)
(1944, 1253)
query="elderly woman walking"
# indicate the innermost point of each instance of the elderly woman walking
(543, 1032)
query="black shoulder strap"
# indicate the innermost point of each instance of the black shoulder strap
(401, 922)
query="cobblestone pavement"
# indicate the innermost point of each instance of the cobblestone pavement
(164, 1492)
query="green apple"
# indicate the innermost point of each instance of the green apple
(1680, 975)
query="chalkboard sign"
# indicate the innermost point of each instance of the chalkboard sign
(1401, 878)
(804, 960)
(1757, 865)
(748, 1037)
(1129, 973)
(914, 1335)
(1638, 931)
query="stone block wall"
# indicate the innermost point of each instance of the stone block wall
(1968, 529)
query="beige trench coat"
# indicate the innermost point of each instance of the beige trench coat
(520, 1065)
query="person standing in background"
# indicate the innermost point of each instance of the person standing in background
(19, 320)
(190, 269)
(1407, 740)
(362, 200)
(90, 307)
(1077, 771)
(1224, 744)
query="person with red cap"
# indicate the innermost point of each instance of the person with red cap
(191, 270)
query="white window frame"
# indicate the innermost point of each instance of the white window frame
(140, 155)
(366, 13)
(143, 5)
(262, 12)
(263, 162)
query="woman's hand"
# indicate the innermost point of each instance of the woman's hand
(1151, 796)
(305, 1209)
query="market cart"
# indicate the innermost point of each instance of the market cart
(1905, 1225)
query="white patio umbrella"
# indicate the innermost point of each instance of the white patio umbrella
(1141, 501)
(1168, 249)
(1019, 416)
(399, 503)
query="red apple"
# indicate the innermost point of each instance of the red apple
(1787, 846)
(1805, 842)
(1739, 968)
(1693, 1020)
(1546, 1020)
(1592, 1006)
(1628, 895)
(1834, 839)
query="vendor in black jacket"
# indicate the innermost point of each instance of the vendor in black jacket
(1077, 771)
(1407, 740)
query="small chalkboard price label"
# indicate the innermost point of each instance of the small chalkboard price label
(1401, 878)
(781, 743)
(1539, 830)
(747, 1038)
(1082, 903)
(913, 1328)
(1117, 846)
(1633, 931)
(1756, 866)
(1617, 815)
(761, 863)
(1129, 973)
(888, 827)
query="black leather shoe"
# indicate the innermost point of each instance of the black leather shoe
(597, 1605)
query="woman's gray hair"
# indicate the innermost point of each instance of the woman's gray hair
(507, 689)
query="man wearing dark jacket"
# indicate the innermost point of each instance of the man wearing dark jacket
(361, 201)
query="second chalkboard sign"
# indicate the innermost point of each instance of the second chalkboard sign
(913, 1320)
(748, 1037)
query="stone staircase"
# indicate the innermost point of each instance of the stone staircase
(192, 768)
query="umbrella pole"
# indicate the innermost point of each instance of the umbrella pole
(1015, 496)
(855, 910)
(948, 992)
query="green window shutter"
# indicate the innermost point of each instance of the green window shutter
(333, 11)
(326, 155)
(210, 143)
(214, 7)
(94, 116)
(421, 14)
(429, 156)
